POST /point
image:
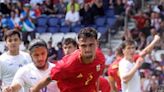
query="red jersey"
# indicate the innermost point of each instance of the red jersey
(104, 85)
(74, 76)
(140, 21)
(113, 72)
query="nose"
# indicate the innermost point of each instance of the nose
(40, 57)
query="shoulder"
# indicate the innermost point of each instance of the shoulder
(24, 53)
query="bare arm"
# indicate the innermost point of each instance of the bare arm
(112, 84)
(41, 84)
(149, 48)
(13, 88)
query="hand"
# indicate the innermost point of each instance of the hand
(156, 37)
(7, 89)
(139, 62)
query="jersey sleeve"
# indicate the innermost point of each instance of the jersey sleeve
(57, 72)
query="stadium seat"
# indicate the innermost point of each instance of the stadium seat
(41, 29)
(53, 21)
(70, 35)
(76, 29)
(111, 22)
(64, 29)
(46, 37)
(103, 31)
(56, 38)
(54, 29)
(109, 13)
(100, 21)
(41, 21)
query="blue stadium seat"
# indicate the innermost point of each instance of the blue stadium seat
(111, 22)
(109, 13)
(102, 29)
(41, 21)
(54, 29)
(53, 21)
(64, 29)
(100, 21)
(41, 29)
(104, 33)
(76, 29)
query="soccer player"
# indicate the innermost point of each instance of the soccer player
(128, 69)
(113, 74)
(69, 45)
(30, 74)
(13, 58)
(80, 70)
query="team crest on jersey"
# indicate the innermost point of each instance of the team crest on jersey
(98, 68)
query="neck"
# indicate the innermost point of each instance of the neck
(129, 58)
(87, 61)
(45, 67)
(14, 53)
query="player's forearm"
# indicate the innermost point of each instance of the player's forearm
(44, 82)
(149, 48)
(16, 87)
(130, 74)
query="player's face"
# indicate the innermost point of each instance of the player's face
(69, 48)
(13, 43)
(88, 47)
(39, 56)
(129, 50)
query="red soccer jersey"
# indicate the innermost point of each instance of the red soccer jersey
(113, 72)
(104, 85)
(74, 76)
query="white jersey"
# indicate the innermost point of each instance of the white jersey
(134, 84)
(10, 64)
(29, 75)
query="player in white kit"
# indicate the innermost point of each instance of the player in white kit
(13, 58)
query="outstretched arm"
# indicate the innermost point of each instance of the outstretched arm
(13, 88)
(149, 48)
(41, 84)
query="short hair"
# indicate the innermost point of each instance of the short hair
(10, 33)
(119, 51)
(37, 43)
(69, 41)
(127, 42)
(87, 32)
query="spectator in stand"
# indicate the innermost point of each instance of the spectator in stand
(87, 15)
(97, 8)
(153, 32)
(47, 7)
(37, 10)
(35, 2)
(60, 8)
(5, 7)
(14, 20)
(27, 17)
(142, 41)
(155, 19)
(73, 3)
(13, 59)
(72, 17)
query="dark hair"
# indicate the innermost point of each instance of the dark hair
(127, 42)
(119, 51)
(10, 33)
(87, 32)
(69, 41)
(37, 43)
